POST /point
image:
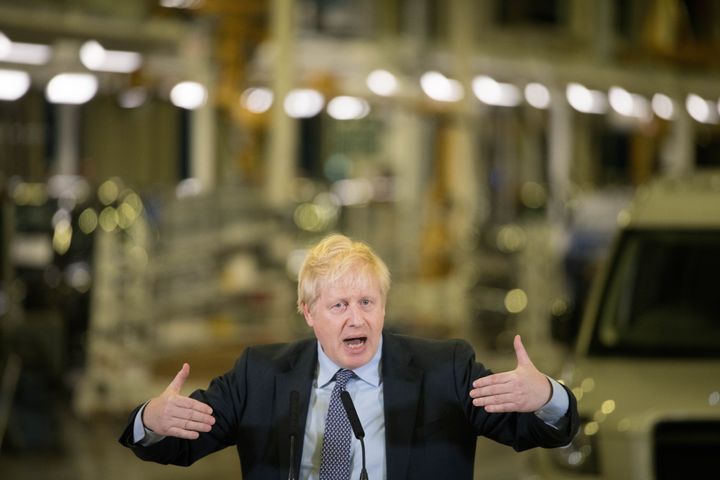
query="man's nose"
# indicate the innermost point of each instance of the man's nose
(354, 316)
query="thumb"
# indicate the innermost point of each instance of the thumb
(520, 352)
(177, 383)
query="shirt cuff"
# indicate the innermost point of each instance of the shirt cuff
(555, 409)
(143, 435)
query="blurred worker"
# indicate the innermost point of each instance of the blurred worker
(421, 403)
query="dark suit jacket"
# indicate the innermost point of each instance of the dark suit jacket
(430, 423)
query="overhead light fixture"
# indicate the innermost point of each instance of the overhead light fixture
(381, 82)
(629, 104)
(71, 88)
(25, 53)
(13, 84)
(189, 95)
(492, 92)
(441, 88)
(585, 100)
(537, 95)
(700, 109)
(95, 57)
(304, 103)
(182, 4)
(257, 99)
(663, 106)
(5, 45)
(348, 108)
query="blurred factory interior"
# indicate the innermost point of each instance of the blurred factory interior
(163, 164)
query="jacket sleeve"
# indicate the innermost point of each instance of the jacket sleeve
(519, 430)
(226, 395)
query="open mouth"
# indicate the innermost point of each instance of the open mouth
(355, 342)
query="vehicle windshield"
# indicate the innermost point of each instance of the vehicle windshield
(663, 296)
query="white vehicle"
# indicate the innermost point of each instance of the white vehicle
(646, 364)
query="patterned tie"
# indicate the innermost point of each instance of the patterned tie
(335, 460)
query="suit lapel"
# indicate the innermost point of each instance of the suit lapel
(298, 377)
(401, 391)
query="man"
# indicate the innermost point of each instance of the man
(422, 403)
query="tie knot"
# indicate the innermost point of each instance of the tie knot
(342, 377)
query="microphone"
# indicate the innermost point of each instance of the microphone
(356, 427)
(294, 414)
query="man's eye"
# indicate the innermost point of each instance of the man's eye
(338, 307)
(366, 303)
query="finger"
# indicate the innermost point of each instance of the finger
(495, 400)
(192, 416)
(191, 404)
(190, 425)
(196, 416)
(177, 383)
(491, 390)
(502, 408)
(495, 389)
(522, 356)
(494, 379)
(180, 433)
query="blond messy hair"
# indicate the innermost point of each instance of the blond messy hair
(331, 259)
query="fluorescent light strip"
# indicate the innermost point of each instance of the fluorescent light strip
(95, 57)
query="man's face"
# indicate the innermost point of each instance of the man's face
(348, 319)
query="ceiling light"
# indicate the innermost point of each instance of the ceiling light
(189, 4)
(585, 100)
(304, 103)
(348, 108)
(629, 104)
(700, 109)
(537, 95)
(71, 88)
(95, 57)
(257, 99)
(26, 53)
(441, 88)
(663, 106)
(382, 82)
(5, 45)
(13, 84)
(189, 95)
(492, 92)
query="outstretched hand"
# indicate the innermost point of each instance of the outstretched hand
(524, 389)
(172, 414)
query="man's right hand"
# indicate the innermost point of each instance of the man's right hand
(174, 415)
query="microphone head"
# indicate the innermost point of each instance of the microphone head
(352, 415)
(294, 411)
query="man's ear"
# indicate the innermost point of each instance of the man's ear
(307, 314)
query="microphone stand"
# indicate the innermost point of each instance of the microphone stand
(291, 474)
(356, 427)
(363, 472)
(294, 407)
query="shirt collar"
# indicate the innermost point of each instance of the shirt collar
(369, 373)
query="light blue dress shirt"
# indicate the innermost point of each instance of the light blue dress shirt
(367, 395)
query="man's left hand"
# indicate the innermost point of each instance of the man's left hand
(524, 389)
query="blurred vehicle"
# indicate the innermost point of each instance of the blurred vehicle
(591, 228)
(645, 366)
